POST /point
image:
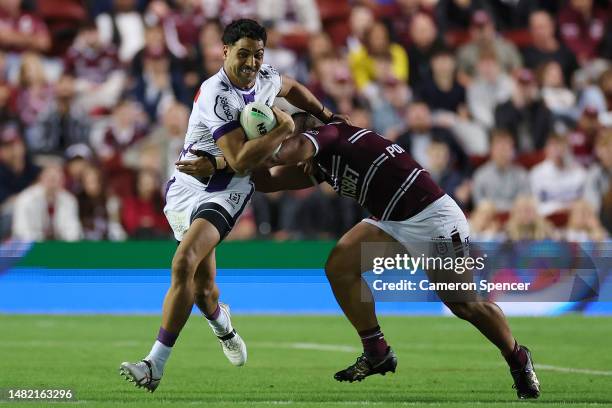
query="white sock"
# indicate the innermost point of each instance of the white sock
(159, 354)
(221, 325)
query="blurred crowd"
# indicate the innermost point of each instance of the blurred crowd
(507, 103)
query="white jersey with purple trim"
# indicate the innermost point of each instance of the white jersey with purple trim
(216, 111)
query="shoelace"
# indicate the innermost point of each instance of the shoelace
(361, 365)
(232, 344)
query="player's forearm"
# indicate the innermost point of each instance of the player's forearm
(299, 96)
(295, 150)
(256, 151)
(281, 178)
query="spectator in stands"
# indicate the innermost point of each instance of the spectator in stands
(425, 41)
(127, 125)
(525, 223)
(484, 225)
(142, 215)
(583, 224)
(441, 169)
(323, 214)
(123, 27)
(181, 25)
(499, 181)
(559, 99)
(78, 157)
(525, 114)
(46, 211)
(363, 61)
(360, 21)
(441, 91)
(162, 147)
(7, 109)
(456, 15)
(211, 50)
(545, 47)
(484, 36)
(401, 18)
(281, 58)
(17, 172)
(583, 26)
(490, 87)
(158, 86)
(598, 180)
(599, 97)
(96, 68)
(273, 213)
(558, 180)
(95, 210)
(34, 92)
(320, 46)
(389, 107)
(21, 31)
(228, 10)
(420, 133)
(62, 124)
(334, 85)
(582, 138)
(290, 17)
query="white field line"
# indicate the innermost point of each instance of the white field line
(350, 349)
(572, 370)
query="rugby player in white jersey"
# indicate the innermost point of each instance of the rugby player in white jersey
(202, 211)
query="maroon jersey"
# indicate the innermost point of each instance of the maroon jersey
(379, 174)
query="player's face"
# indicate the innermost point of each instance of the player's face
(243, 60)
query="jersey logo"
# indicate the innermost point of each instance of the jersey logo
(264, 73)
(222, 108)
(348, 183)
(225, 86)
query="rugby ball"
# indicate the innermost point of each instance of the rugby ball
(257, 119)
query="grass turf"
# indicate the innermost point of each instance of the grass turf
(442, 362)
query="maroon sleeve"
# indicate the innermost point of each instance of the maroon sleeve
(322, 137)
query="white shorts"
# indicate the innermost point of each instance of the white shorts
(185, 203)
(439, 230)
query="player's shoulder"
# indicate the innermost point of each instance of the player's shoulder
(217, 84)
(268, 72)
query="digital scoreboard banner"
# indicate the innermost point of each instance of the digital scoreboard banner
(537, 278)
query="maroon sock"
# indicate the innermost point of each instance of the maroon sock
(518, 358)
(166, 338)
(373, 341)
(214, 315)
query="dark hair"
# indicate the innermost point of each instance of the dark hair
(242, 28)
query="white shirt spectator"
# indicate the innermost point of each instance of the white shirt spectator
(35, 219)
(556, 187)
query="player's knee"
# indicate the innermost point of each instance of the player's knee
(333, 267)
(464, 310)
(183, 268)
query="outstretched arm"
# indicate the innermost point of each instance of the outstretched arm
(282, 178)
(299, 96)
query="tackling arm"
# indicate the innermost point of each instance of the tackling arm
(281, 178)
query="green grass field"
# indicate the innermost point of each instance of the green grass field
(442, 362)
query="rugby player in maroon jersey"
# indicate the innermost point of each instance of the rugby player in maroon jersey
(408, 207)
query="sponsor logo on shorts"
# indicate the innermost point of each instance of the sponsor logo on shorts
(233, 199)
